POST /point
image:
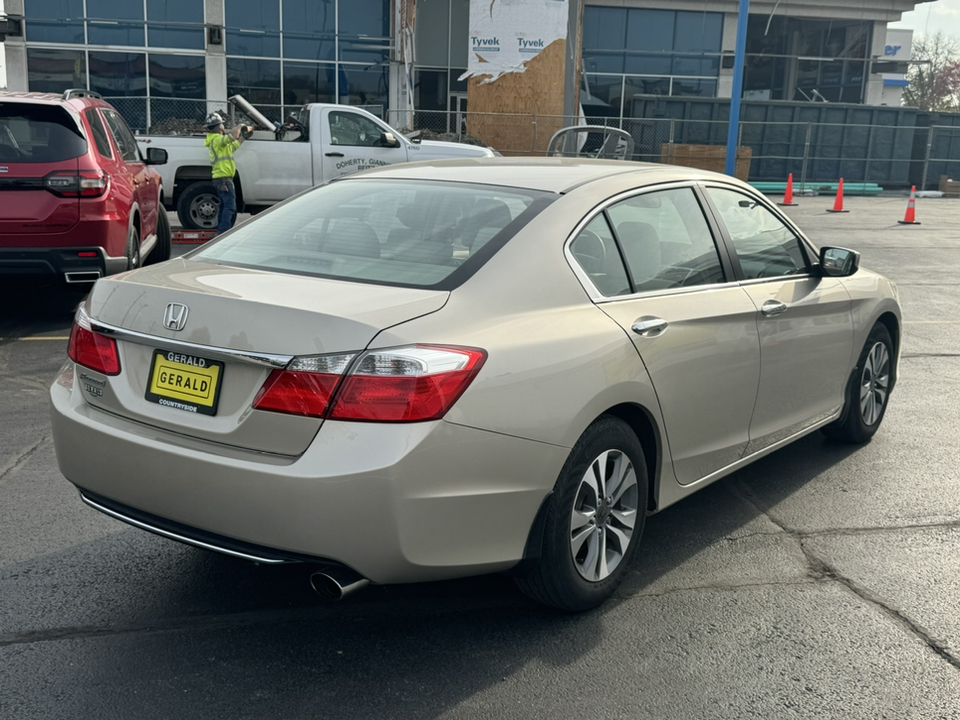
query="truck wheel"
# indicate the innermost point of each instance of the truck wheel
(199, 207)
(161, 251)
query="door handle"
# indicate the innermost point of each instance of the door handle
(648, 327)
(772, 308)
(334, 154)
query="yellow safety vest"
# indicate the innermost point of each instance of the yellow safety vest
(222, 148)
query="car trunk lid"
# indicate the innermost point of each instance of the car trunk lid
(237, 325)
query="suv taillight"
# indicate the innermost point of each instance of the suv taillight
(87, 183)
(92, 350)
(406, 384)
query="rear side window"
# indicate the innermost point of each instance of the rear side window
(38, 134)
(394, 232)
(99, 134)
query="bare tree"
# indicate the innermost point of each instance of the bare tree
(935, 75)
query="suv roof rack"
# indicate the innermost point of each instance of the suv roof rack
(80, 92)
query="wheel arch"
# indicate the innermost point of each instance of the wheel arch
(890, 321)
(644, 425)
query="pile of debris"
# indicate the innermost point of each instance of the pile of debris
(177, 126)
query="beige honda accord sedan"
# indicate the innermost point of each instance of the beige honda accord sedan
(446, 369)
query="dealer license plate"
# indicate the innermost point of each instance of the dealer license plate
(185, 382)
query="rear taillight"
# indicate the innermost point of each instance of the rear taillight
(86, 183)
(92, 350)
(406, 384)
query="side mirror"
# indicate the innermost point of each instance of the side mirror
(156, 156)
(387, 139)
(838, 262)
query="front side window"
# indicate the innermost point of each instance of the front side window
(348, 128)
(392, 232)
(666, 240)
(765, 246)
(126, 143)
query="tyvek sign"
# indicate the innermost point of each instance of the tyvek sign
(506, 34)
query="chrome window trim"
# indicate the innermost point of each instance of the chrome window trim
(213, 353)
(594, 294)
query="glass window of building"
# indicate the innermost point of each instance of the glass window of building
(54, 21)
(806, 59)
(175, 24)
(630, 52)
(253, 28)
(442, 43)
(54, 71)
(115, 22)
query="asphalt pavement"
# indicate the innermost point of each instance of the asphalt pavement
(820, 582)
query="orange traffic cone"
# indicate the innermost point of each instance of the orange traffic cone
(788, 195)
(838, 205)
(911, 218)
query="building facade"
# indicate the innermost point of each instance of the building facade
(159, 60)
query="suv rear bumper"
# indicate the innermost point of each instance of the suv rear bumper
(73, 265)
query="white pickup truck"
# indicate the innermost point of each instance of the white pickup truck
(321, 143)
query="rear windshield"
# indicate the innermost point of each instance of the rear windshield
(38, 134)
(393, 232)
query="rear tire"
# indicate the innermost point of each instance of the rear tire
(199, 207)
(164, 246)
(133, 248)
(593, 527)
(868, 390)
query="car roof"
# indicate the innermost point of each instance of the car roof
(77, 100)
(558, 175)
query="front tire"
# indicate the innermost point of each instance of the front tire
(594, 524)
(199, 207)
(868, 391)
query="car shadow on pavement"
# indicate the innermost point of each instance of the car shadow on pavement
(148, 627)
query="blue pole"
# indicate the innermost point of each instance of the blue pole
(733, 133)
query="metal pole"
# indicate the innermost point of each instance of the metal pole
(738, 63)
(806, 158)
(926, 160)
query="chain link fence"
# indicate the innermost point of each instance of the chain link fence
(815, 153)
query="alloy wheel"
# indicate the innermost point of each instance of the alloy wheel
(604, 515)
(874, 383)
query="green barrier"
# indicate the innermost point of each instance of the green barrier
(818, 188)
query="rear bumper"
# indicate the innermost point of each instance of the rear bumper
(64, 263)
(396, 503)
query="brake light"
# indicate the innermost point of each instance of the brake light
(87, 183)
(305, 386)
(407, 384)
(92, 350)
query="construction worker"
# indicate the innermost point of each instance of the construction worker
(222, 146)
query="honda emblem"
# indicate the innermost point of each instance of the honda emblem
(175, 316)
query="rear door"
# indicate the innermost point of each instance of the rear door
(140, 185)
(655, 259)
(37, 143)
(805, 321)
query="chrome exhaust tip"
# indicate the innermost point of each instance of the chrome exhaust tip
(81, 277)
(335, 583)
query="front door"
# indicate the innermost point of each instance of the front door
(805, 322)
(353, 141)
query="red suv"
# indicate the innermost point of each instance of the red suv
(77, 200)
